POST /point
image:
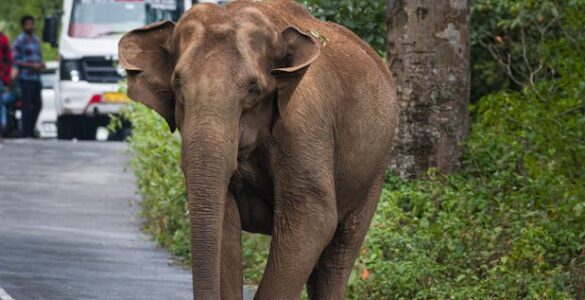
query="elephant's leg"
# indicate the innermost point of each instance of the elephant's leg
(305, 218)
(231, 253)
(330, 276)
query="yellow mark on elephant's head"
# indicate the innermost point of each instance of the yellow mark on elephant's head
(323, 39)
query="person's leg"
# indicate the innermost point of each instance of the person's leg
(37, 105)
(2, 109)
(27, 107)
(7, 99)
(3, 119)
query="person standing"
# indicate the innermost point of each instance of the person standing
(28, 59)
(5, 73)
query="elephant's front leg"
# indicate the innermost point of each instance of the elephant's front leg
(305, 219)
(231, 252)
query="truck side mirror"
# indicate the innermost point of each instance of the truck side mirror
(50, 30)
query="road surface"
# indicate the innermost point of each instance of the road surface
(68, 229)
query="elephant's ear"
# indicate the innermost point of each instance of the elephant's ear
(300, 51)
(145, 55)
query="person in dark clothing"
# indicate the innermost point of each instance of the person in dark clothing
(29, 61)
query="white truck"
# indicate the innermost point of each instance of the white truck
(88, 77)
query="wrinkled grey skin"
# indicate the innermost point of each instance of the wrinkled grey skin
(286, 123)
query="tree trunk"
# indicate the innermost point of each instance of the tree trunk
(428, 53)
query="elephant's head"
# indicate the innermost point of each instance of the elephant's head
(220, 76)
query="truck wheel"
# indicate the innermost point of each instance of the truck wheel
(65, 127)
(86, 130)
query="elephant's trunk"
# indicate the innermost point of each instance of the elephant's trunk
(209, 155)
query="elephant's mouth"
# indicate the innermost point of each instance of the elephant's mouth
(243, 150)
(240, 136)
(243, 155)
(248, 142)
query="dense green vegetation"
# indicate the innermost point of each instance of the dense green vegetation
(509, 225)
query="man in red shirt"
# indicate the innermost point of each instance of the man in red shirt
(5, 59)
(5, 73)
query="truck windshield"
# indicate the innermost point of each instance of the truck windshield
(102, 18)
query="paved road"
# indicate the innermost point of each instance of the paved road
(68, 231)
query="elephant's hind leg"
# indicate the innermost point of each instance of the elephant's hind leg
(231, 253)
(331, 274)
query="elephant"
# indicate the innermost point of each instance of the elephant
(286, 126)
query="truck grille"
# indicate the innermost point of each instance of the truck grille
(100, 70)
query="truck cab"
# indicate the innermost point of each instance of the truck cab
(88, 77)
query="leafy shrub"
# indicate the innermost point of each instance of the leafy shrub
(507, 39)
(464, 238)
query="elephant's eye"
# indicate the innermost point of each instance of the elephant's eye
(254, 88)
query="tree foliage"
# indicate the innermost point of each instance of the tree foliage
(508, 39)
(364, 17)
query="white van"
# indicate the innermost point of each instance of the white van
(89, 76)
